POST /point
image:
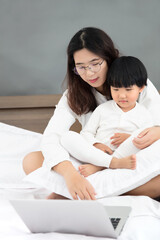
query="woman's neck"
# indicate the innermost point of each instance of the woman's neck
(100, 90)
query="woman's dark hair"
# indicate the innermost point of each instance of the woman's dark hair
(80, 94)
(127, 71)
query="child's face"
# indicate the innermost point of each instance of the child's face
(126, 97)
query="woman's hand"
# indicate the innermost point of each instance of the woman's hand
(119, 138)
(103, 148)
(147, 137)
(77, 185)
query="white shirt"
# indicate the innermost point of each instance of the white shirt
(64, 117)
(108, 118)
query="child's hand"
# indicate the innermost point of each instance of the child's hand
(104, 148)
(119, 138)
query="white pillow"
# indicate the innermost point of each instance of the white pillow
(15, 143)
(107, 182)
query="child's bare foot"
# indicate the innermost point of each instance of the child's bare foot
(127, 162)
(55, 196)
(88, 169)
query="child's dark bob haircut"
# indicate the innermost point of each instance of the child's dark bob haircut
(127, 71)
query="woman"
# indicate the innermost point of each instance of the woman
(90, 54)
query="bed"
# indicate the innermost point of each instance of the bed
(22, 122)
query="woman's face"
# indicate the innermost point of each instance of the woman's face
(84, 58)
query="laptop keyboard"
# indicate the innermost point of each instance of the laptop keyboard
(115, 222)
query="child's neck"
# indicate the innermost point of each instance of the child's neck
(126, 109)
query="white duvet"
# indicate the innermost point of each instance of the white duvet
(15, 143)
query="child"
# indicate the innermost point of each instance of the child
(113, 124)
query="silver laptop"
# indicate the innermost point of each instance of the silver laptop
(67, 216)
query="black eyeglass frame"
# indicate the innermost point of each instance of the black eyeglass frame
(85, 68)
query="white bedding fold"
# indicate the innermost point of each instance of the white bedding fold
(107, 182)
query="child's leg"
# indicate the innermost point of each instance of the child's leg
(79, 148)
(122, 157)
(127, 147)
(88, 169)
(128, 162)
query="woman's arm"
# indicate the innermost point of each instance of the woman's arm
(150, 99)
(60, 122)
(77, 185)
(57, 158)
(90, 129)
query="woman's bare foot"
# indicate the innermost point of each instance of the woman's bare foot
(127, 162)
(88, 169)
(55, 196)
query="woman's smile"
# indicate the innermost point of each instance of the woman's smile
(93, 80)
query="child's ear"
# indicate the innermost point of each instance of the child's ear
(141, 89)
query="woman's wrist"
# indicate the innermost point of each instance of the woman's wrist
(64, 168)
(158, 132)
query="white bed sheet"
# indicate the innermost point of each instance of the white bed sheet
(143, 223)
(15, 143)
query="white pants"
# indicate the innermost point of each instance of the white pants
(80, 149)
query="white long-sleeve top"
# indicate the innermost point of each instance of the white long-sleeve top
(108, 118)
(64, 117)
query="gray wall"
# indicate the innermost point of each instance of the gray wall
(34, 35)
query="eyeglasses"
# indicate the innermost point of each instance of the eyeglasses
(93, 67)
